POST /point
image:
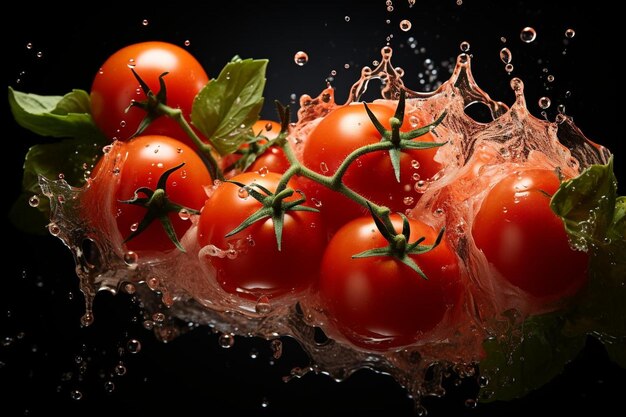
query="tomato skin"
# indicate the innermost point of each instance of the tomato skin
(259, 268)
(274, 158)
(140, 163)
(341, 132)
(114, 88)
(525, 241)
(378, 303)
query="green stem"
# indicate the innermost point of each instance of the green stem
(177, 114)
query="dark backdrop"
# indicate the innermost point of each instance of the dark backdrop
(45, 355)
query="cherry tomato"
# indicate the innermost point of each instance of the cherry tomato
(259, 268)
(114, 88)
(341, 132)
(140, 163)
(525, 241)
(379, 303)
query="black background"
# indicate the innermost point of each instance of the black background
(42, 345)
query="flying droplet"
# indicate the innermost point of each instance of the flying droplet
(570, 33)
(39, 54)
(183, 214)
(187, 42)
(131, 63)
(405, 25)
(508, 68)
(347, 18)
(277, 348)
(301, 58)
(33, 201)
(134, 227)
(226, 340)
(544, 102)
(263, 305)
(145, 22)
(465, 46)
(505, 55)
(411, 3)
(54, 229)
(130, 258)
(550, 78)
(133, 346)
(120, 369)
(528, 34)
(76, 395)
(109, 386)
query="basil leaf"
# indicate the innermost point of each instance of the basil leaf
(56, 116)
(225, 109)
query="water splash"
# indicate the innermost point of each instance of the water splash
(181, 287)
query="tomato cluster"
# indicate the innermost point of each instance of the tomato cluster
(276, 239)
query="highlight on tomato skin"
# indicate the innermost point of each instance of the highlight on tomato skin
(115, 87)
(139, 163)
(525, 242)
(342, 131)
(257, 268)
(379, 303)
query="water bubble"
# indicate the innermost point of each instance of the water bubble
(528, 34)
(158, 317)
(411, 3)
(134, 227)
(550, 78)
(184, 214)
(561, 108)
(243, 193)
(277, 348)
(502, 39)
(505, 55)
(301, 58)
(130, 258)
(263, 305)
(415, 176)
(459, 2)
(76, 395)
(405, 25)
(408, 201)
(347, 18)
(120, 369)
(29, 45)
(346, 66)
(187, 42)
(421, 186)
(39, 54)
(544, 102)
(464, 46)
(508, 68)
(145, 22)
(226, 340)
(570, 33)
(263, 171)
(471, 403)
(131, 63)
(323, 168)
(390, 9)
(33, 201)
(415, 164)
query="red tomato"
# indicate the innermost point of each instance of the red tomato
(525, 241)
(379, 303)
(274, 159)
(341, 132)
(115, 87)
(259, 268)
(140, 163)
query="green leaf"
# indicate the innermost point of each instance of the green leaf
(227, 106)
(57, 116)
(515, 367)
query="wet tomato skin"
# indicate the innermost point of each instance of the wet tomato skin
(525, 241)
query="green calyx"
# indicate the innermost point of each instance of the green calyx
(151, 103)
(158, 206)
(274, 207)
(399, 246)
(403, 140)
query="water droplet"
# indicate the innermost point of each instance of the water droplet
(528, 34)
(263, 305)
(570, 33)
(503, 39)
(411, 3)
(316, 202)
(323, 168)
(263, 171)
(405, 25)
(183, 214)
(464, 46)
(131, 63)
(130, 258)
(109, 386)
(254, 353)
(415, 164)
(29, 45)
(471, 403)
(347, 18)
(550, 78)
(187, 42)
(153, 283)
(54, 229)
(129, 288)
(505, 55)
(76, 395)
(544, 102)
(277, 348)
(133, 346)
(134, 227)
(226, 340)
(145, 22)
(120, 369)
(158, 317)
(106, 149)
(243, 193)
(33, 201)
(39, 54)
(346, 66)
(459, 2)
(301, 58)
(87, 319)
(421, 186)
(408, 201)
(508, 68)
(265, 403)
